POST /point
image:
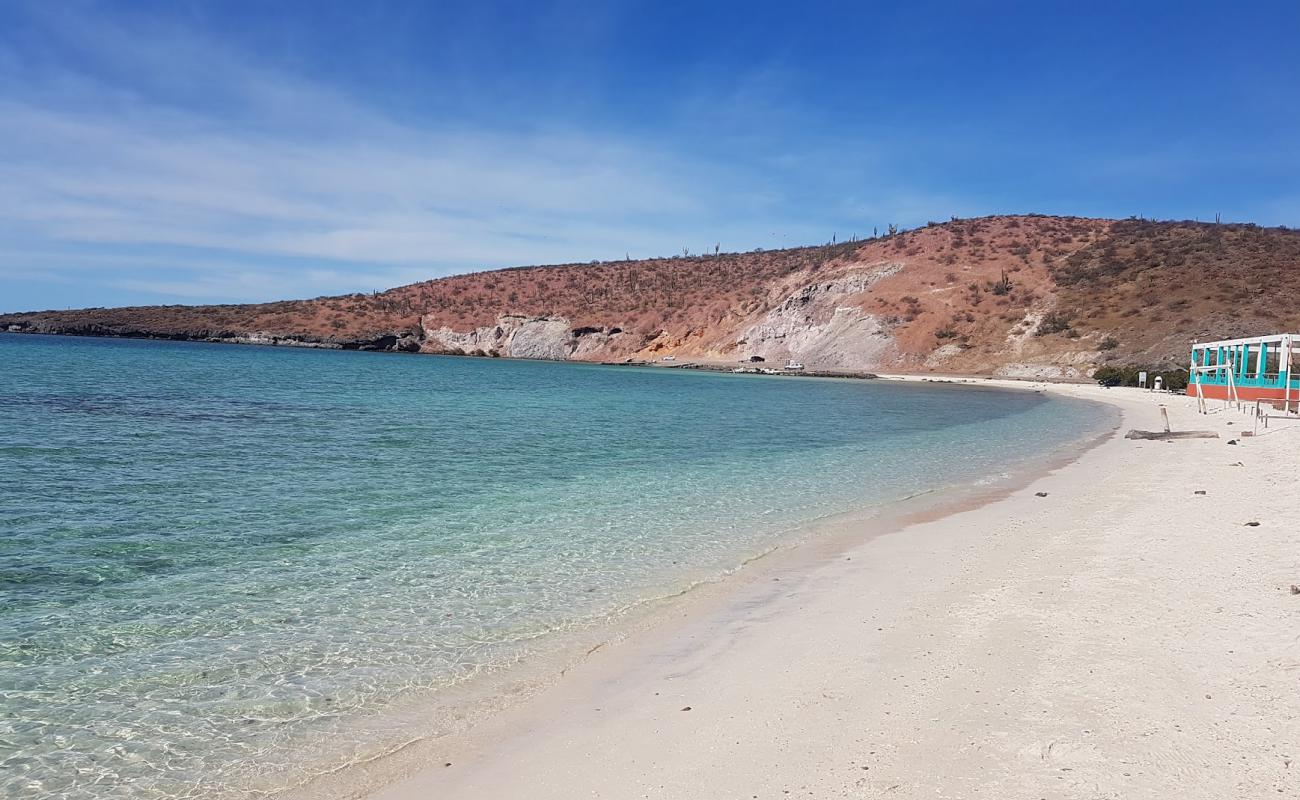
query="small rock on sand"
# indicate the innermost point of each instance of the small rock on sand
(1295, 589)
(1252, 524)
(1040, 494)
(1199, 491)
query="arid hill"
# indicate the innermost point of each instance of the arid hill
(1012, 295)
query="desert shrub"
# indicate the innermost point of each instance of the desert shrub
(1054, 322)
(1109, 376)
(1175, 380)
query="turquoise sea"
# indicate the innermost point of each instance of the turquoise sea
(223, 566)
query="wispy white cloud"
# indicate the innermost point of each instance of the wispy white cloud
(204, 286)
(384, 194)
(177, 168)
(372, 192)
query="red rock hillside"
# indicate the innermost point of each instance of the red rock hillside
(1014, 295)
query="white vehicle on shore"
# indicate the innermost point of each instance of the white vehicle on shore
(793, 366)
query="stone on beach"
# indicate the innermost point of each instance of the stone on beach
(1167, 435)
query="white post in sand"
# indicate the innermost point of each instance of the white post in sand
(1285, 370)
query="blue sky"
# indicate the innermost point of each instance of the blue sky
(241, 150)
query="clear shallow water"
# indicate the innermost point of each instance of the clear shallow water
(217, 563)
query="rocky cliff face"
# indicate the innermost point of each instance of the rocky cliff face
(1028, 296)
(822, 324)
(515, 336)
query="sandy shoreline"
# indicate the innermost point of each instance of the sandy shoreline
(1121, 637)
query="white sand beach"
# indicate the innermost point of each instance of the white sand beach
(1121, 637)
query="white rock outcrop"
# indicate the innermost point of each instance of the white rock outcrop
(516, 336)
(823, 326)
(1039, 371)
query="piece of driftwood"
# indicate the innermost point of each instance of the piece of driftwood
(1161, 435)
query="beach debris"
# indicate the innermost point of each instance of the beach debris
(448, 764)
(1040, 494)
(686, 708)
(1232, 441)
(1252, 524)
(1236, 464)
(1165, 435)
(1295, 589)
(1199, 491)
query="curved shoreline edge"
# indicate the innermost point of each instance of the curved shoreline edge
(516, 751)
(1120, 637)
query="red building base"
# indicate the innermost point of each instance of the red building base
(1244, 393)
